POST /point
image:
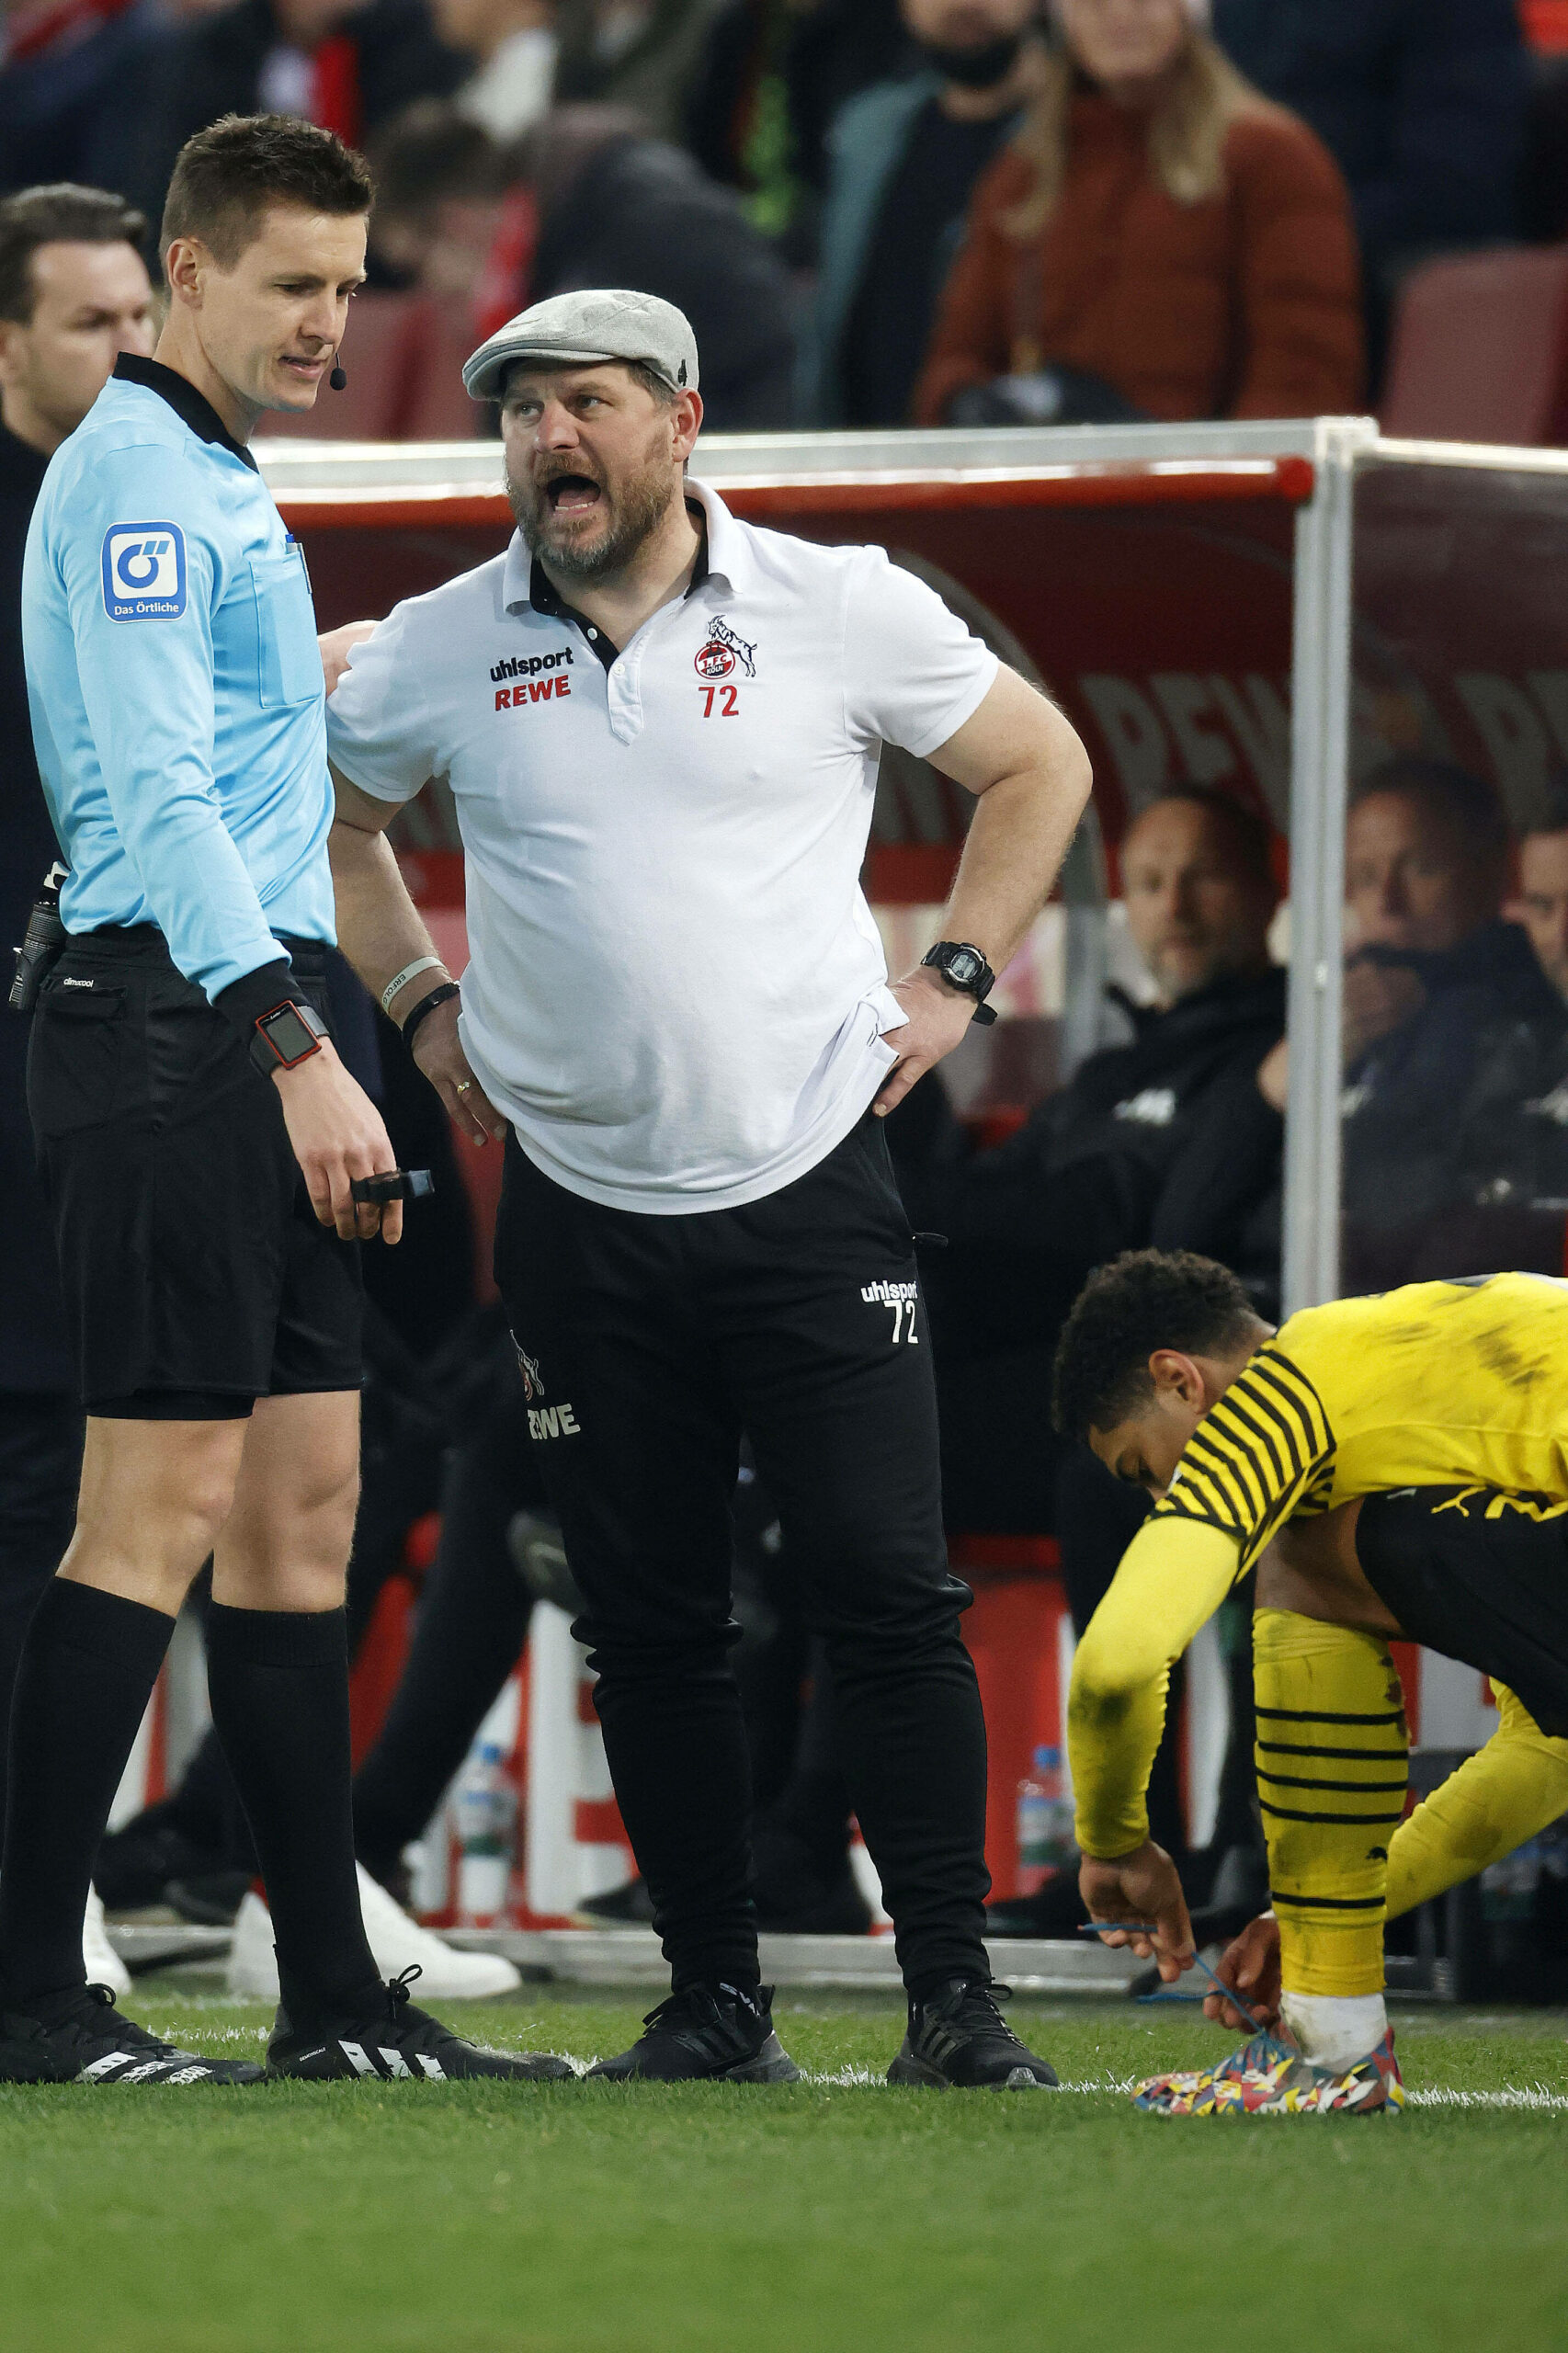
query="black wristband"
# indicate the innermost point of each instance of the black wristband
(428, 1004)
(244, 1001)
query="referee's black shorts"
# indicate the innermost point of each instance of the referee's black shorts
(196, 1277)
(1480, 1577)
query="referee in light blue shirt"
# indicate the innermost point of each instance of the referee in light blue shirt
(197, 1136)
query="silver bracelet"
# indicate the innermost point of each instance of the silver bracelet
(420, 964)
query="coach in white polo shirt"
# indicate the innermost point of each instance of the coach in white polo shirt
(661, 728)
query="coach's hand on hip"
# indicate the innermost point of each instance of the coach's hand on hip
(937, 1018)
(438, 1052)
(337, 1134)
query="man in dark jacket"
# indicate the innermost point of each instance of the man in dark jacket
(74, 294)
(904, 160)
(1165, 1141)
(347, 67)
(1448, 1021)
(1421, 102)
(618, 209)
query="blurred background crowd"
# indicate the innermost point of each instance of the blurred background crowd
(877, 212)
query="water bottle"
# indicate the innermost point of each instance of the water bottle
(484, 1806)
(1045, 1822)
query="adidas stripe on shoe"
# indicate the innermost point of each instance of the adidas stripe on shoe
(79, 2037)
(715, 2033)
(401, 2045)
(959, 2040)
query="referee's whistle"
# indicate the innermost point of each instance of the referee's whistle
(395, 1185)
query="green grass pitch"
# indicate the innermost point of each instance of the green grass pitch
(832, 2217)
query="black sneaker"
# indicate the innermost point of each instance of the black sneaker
(959, 2042)
(707, 2033)
(79, 2037)
(631, 1906)
(398, 2042)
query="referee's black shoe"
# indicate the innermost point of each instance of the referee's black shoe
(79, 2037)
(959, 2040)
(394, 2040)
(717, 2033)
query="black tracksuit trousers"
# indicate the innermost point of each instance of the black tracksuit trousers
(650, 1343)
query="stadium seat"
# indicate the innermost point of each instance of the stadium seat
(438, 409)
(1480, 349)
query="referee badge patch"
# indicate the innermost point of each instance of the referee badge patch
(144, 570)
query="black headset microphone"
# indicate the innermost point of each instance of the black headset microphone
(338, 381)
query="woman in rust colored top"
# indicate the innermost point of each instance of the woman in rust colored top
(1160, 227)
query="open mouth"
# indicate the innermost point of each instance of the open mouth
(308, 369)
(572, 494)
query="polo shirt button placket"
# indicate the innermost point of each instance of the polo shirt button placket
(626, 696)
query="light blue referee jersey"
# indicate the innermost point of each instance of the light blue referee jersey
(176, 685)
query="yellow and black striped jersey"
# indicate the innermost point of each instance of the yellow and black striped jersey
(1431, 1386)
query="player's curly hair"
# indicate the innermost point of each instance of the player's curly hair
(1142, 1301)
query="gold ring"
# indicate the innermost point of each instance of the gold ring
(464, 1086)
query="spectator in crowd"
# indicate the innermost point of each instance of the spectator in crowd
(1165, 1141)
(1421, 103)
(616, 207)
(62, 85)
(1158, 241)
(644, 54)
(771, 80)
(514, 42)
(74, 294)
(348, 65)
(904, 157)
(442, 183)
(1540, 903)
(1520, 1165)
(1447, 1017)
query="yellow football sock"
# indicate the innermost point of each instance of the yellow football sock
(1498, 1797)
(1332, 1770)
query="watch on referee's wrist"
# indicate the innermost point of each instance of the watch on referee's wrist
(286, 1037)
(964, 968)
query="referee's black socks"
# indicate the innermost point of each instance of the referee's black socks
(87, 1669)
(278, 1681)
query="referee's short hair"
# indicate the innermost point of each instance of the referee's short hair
(226, 177)
(1144, 1301)
(63, 214)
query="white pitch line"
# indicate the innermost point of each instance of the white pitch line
(1533, 2099)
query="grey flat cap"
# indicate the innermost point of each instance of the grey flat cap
(584, 330)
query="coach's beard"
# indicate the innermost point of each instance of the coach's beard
(629, 520)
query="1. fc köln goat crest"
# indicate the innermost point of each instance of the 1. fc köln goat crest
(533, 1380)
(723, 651)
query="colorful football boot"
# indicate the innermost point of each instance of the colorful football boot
(1269, 2077)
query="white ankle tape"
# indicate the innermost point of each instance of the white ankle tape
(1334, 2030)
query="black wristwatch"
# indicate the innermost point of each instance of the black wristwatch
(287, 1035)
(964, 967)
